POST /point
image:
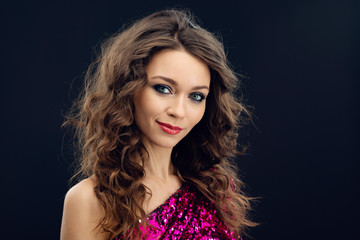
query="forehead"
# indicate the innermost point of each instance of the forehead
(180, 66)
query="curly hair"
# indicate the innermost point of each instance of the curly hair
(110, 142)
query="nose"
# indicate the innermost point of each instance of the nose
(176, 107)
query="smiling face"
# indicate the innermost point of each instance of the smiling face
(173, 100)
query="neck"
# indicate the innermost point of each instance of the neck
(159, 164)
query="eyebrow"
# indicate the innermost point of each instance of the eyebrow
(173, 82)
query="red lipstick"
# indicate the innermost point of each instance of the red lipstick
(169, 129)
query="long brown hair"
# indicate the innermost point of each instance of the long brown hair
(110, 142)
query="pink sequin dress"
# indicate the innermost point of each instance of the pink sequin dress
(187, 214)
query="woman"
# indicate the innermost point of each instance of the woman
(157, 125)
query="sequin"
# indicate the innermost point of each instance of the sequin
(187, 214)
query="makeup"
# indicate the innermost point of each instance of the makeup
(169, 129)
(172, 102)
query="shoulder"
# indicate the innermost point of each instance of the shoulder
(82, 213)
(82, 194)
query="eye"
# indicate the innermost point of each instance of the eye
(197, 97)
(163, 89)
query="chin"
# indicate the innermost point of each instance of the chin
(167, 145)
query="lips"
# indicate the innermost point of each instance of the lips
(169, 129)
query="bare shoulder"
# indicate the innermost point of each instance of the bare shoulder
(82, 213)
(82, 194)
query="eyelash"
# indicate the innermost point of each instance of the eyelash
(158, 88)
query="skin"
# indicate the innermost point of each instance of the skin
(177, 82)
(174, 94)
(82, 212)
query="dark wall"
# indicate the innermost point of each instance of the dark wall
(301, 60)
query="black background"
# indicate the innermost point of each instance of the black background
(300, 57)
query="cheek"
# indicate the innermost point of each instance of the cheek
(197, 115)
(140, 108)
(146, 106)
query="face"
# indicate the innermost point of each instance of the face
(173, 100)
